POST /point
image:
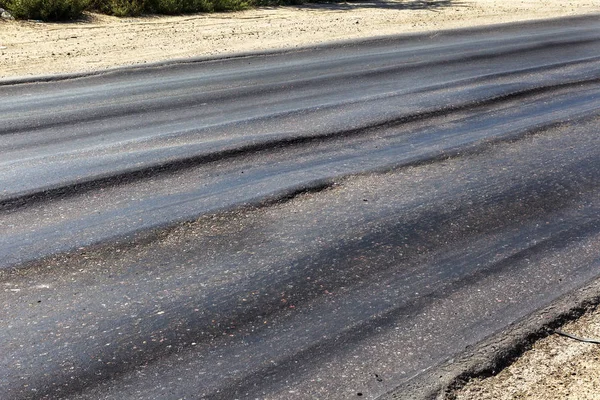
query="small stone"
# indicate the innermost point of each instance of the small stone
(5, 14)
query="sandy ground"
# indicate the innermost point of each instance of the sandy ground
(557, 367)
(32, 48)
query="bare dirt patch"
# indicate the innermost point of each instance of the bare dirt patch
(32, 48)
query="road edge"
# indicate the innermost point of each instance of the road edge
(593, 17)
(500, 350)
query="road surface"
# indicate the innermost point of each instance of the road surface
(318, 223)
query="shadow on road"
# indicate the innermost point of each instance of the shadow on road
(431, 5)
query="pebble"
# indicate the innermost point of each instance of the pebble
(5, 14)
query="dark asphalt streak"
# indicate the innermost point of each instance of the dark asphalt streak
(321, 223)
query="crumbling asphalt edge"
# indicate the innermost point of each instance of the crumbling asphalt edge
(490, 356)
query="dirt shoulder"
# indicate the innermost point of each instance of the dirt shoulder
(32, 48)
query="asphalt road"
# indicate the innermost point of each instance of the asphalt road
(321, 223)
